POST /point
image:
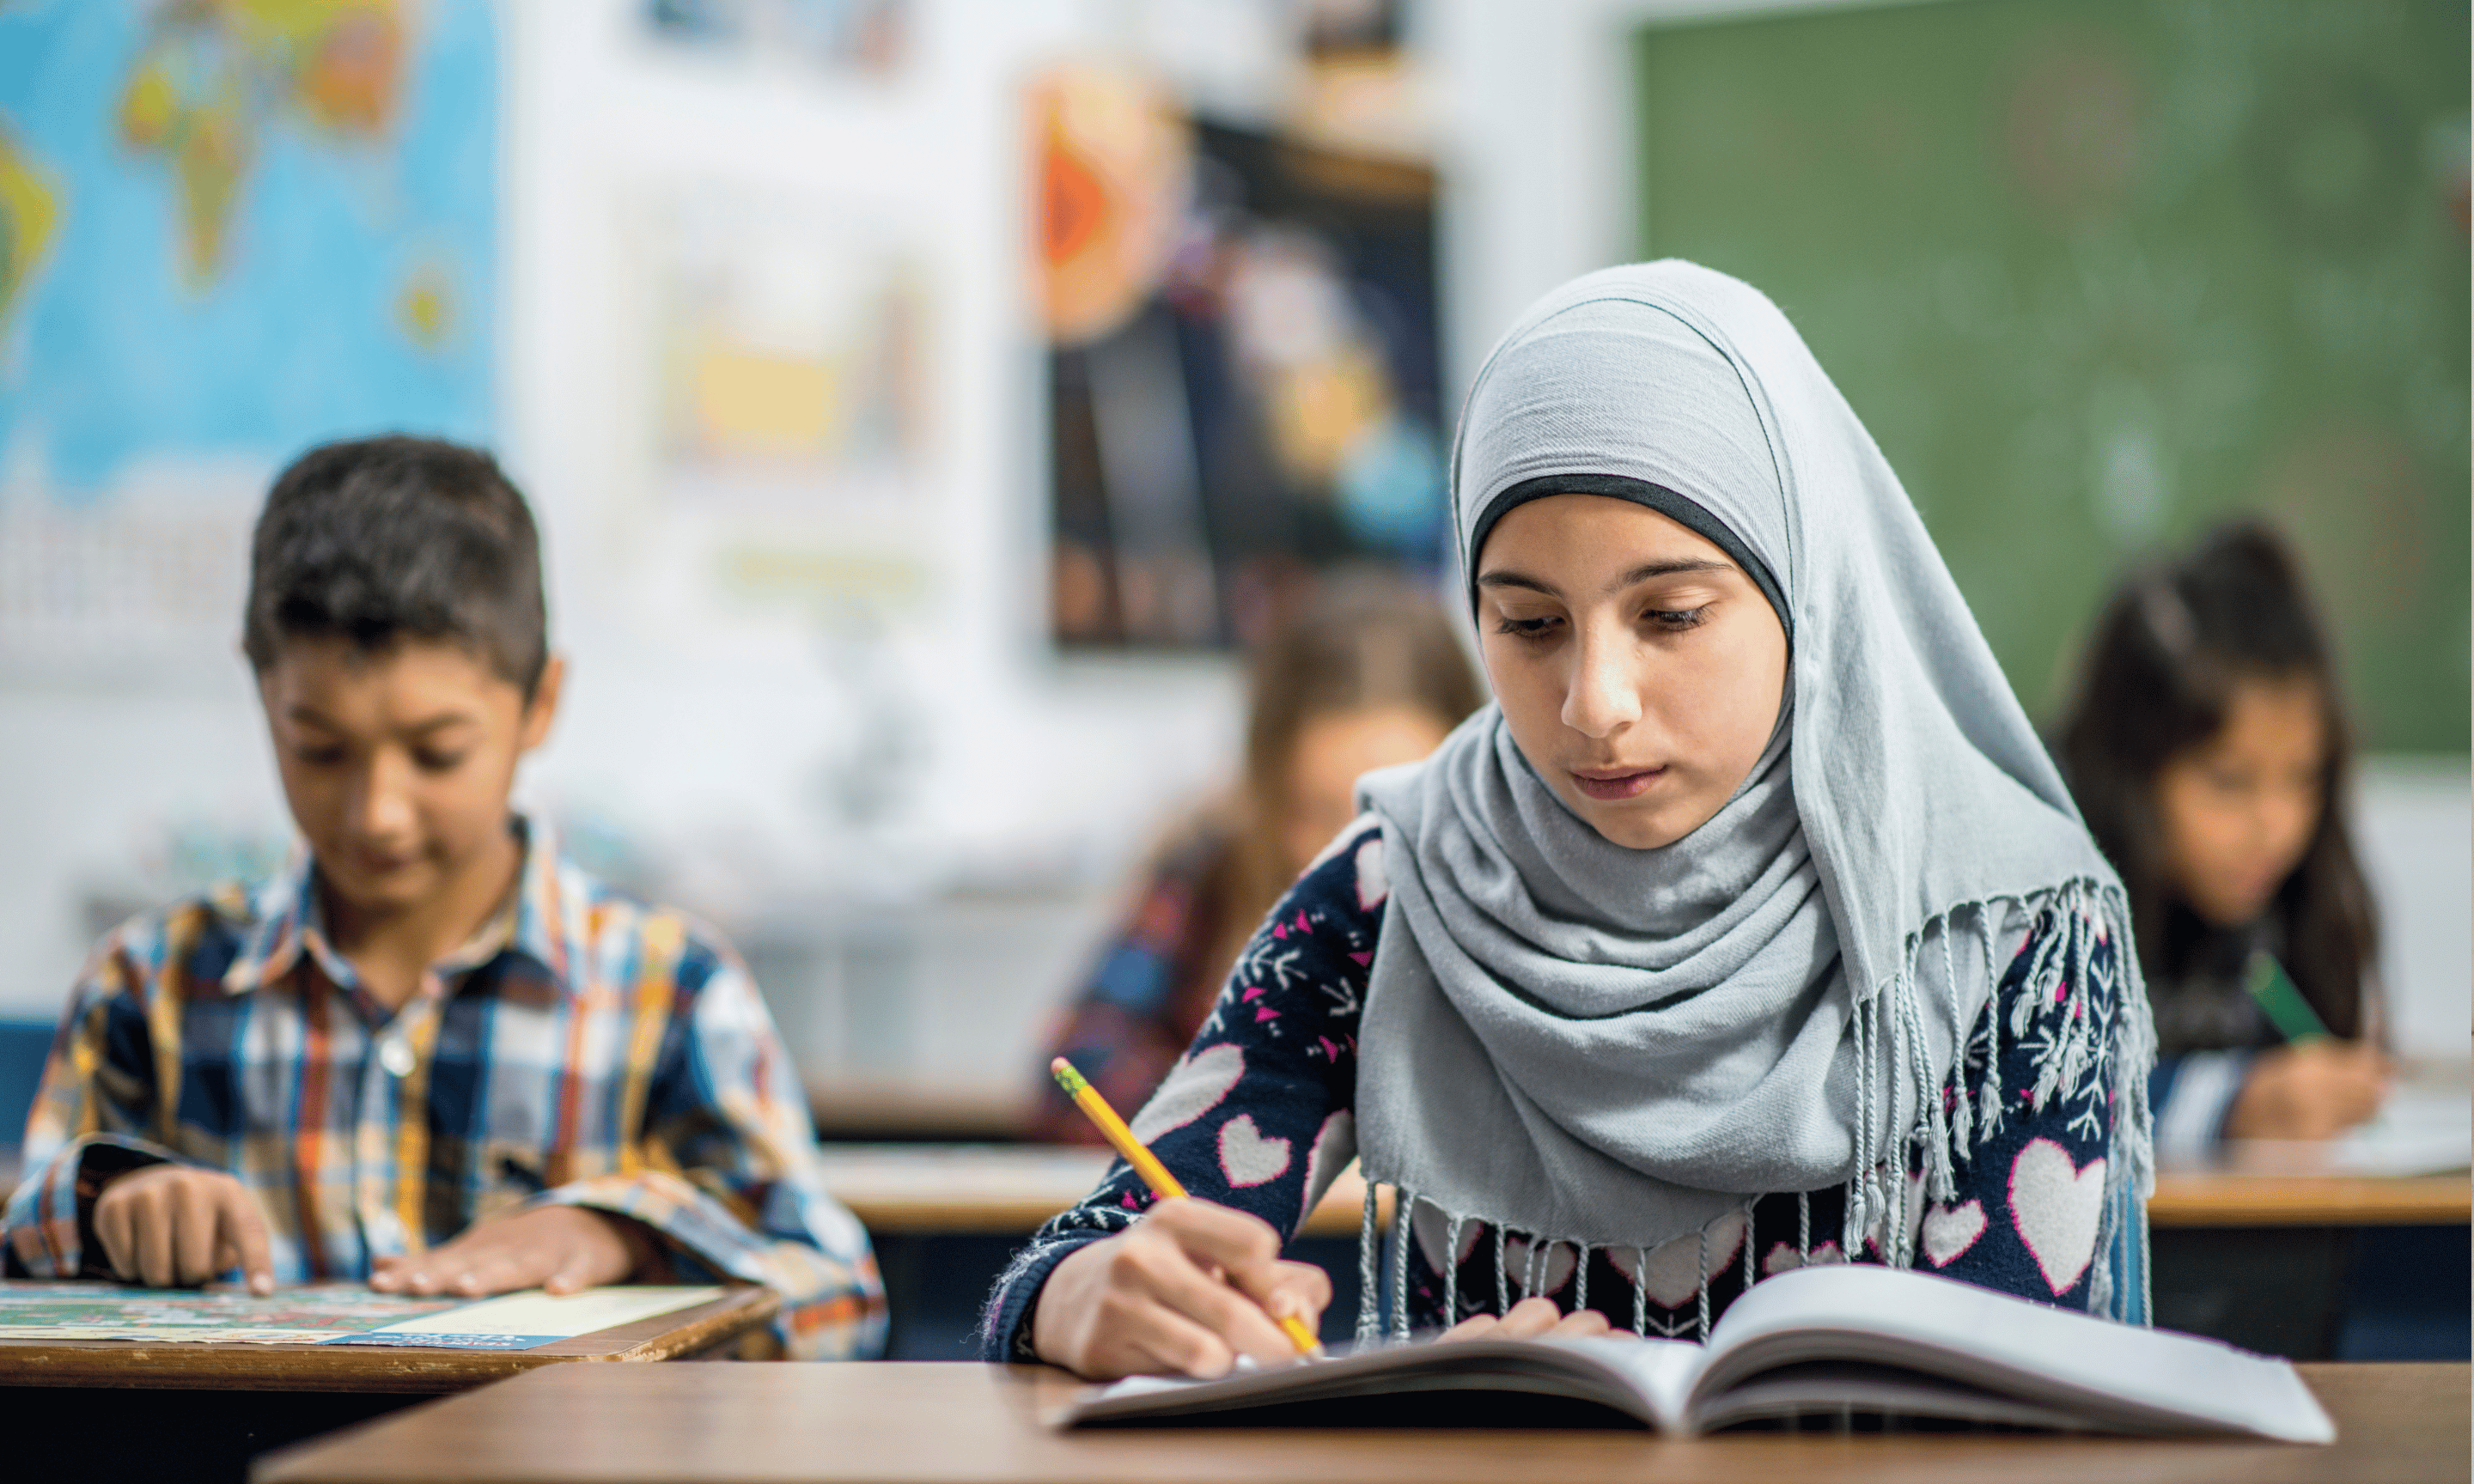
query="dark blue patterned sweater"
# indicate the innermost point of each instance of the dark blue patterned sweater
(1258, 1115)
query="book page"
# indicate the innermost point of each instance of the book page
(2110, 1374)
(1662, 1371)
(1642, 1380)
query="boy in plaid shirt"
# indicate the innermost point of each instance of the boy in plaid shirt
(436, 1055)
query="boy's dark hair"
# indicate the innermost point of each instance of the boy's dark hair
(376, 540)
(2172, 645)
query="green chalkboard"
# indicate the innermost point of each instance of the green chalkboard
(2098, 272)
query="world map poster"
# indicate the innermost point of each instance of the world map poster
(228, 230)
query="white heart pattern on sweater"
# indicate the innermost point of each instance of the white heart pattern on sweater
(1247, 1157)
(1194, 1086)
(1672, 1273)
(1950, 1231)
(2056, 1207)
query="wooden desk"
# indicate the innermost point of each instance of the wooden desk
(2273, 1254)
(210, 1409)
(918, 1189)
(975, 1424)
(2222, 1198)
(364, 1368)
(850, 1108)
(2264, 1259)
(945, 1189)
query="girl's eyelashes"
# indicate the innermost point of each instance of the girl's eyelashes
(1527, 627)
(1671, 620)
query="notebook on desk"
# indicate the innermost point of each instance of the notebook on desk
(1815, 1343)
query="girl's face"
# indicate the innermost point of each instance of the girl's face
(1640, 669)
(2238, 810)
(1331, 749)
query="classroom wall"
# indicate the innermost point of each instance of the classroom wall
(702, 749)
(705, 746)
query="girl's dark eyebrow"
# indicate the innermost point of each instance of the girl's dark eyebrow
(1639, 574)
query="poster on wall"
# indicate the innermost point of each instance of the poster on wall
(226, 233)
(792, 356)
(781, 358)
(1243, 387)
(858, 37)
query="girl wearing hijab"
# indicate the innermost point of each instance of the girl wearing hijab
(1750, 928)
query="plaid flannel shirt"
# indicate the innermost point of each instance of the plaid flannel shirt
(581, 1049)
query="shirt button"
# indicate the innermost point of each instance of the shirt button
(395, 1057)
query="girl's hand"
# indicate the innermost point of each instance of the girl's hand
(175, 1224)
(1531, 1318)
(558, 1249)
(2315, 1088)
(1158, 1297)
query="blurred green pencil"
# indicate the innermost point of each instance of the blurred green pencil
(2280, 998)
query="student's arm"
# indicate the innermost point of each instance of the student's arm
(1255, 1120)
(2040, 1208)
(2189, 1095)
(733, 1185)
(98, 1100)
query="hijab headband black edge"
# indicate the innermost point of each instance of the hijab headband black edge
(1683, 510)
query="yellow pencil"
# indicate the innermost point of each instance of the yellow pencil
(1154, 1174)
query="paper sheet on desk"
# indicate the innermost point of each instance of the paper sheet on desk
(521, 1321)
(2419, 1131)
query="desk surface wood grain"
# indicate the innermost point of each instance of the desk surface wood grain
(935, 1190)
(2240, 1199)
(356, 1368)
(940, 1424)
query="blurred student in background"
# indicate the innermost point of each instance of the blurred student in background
(432, 1054)
(1365, 673)
(2210, 753)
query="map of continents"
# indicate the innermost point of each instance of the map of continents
(230, 228)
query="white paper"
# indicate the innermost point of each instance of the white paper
(536, 1314)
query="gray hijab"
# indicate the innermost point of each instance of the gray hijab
(1605, 1046)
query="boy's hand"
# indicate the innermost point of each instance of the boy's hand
(1531, 1318)
(557, 1248)
(1157, 1297)
(175, 1226)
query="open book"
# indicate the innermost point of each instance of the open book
(1824, 1342)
